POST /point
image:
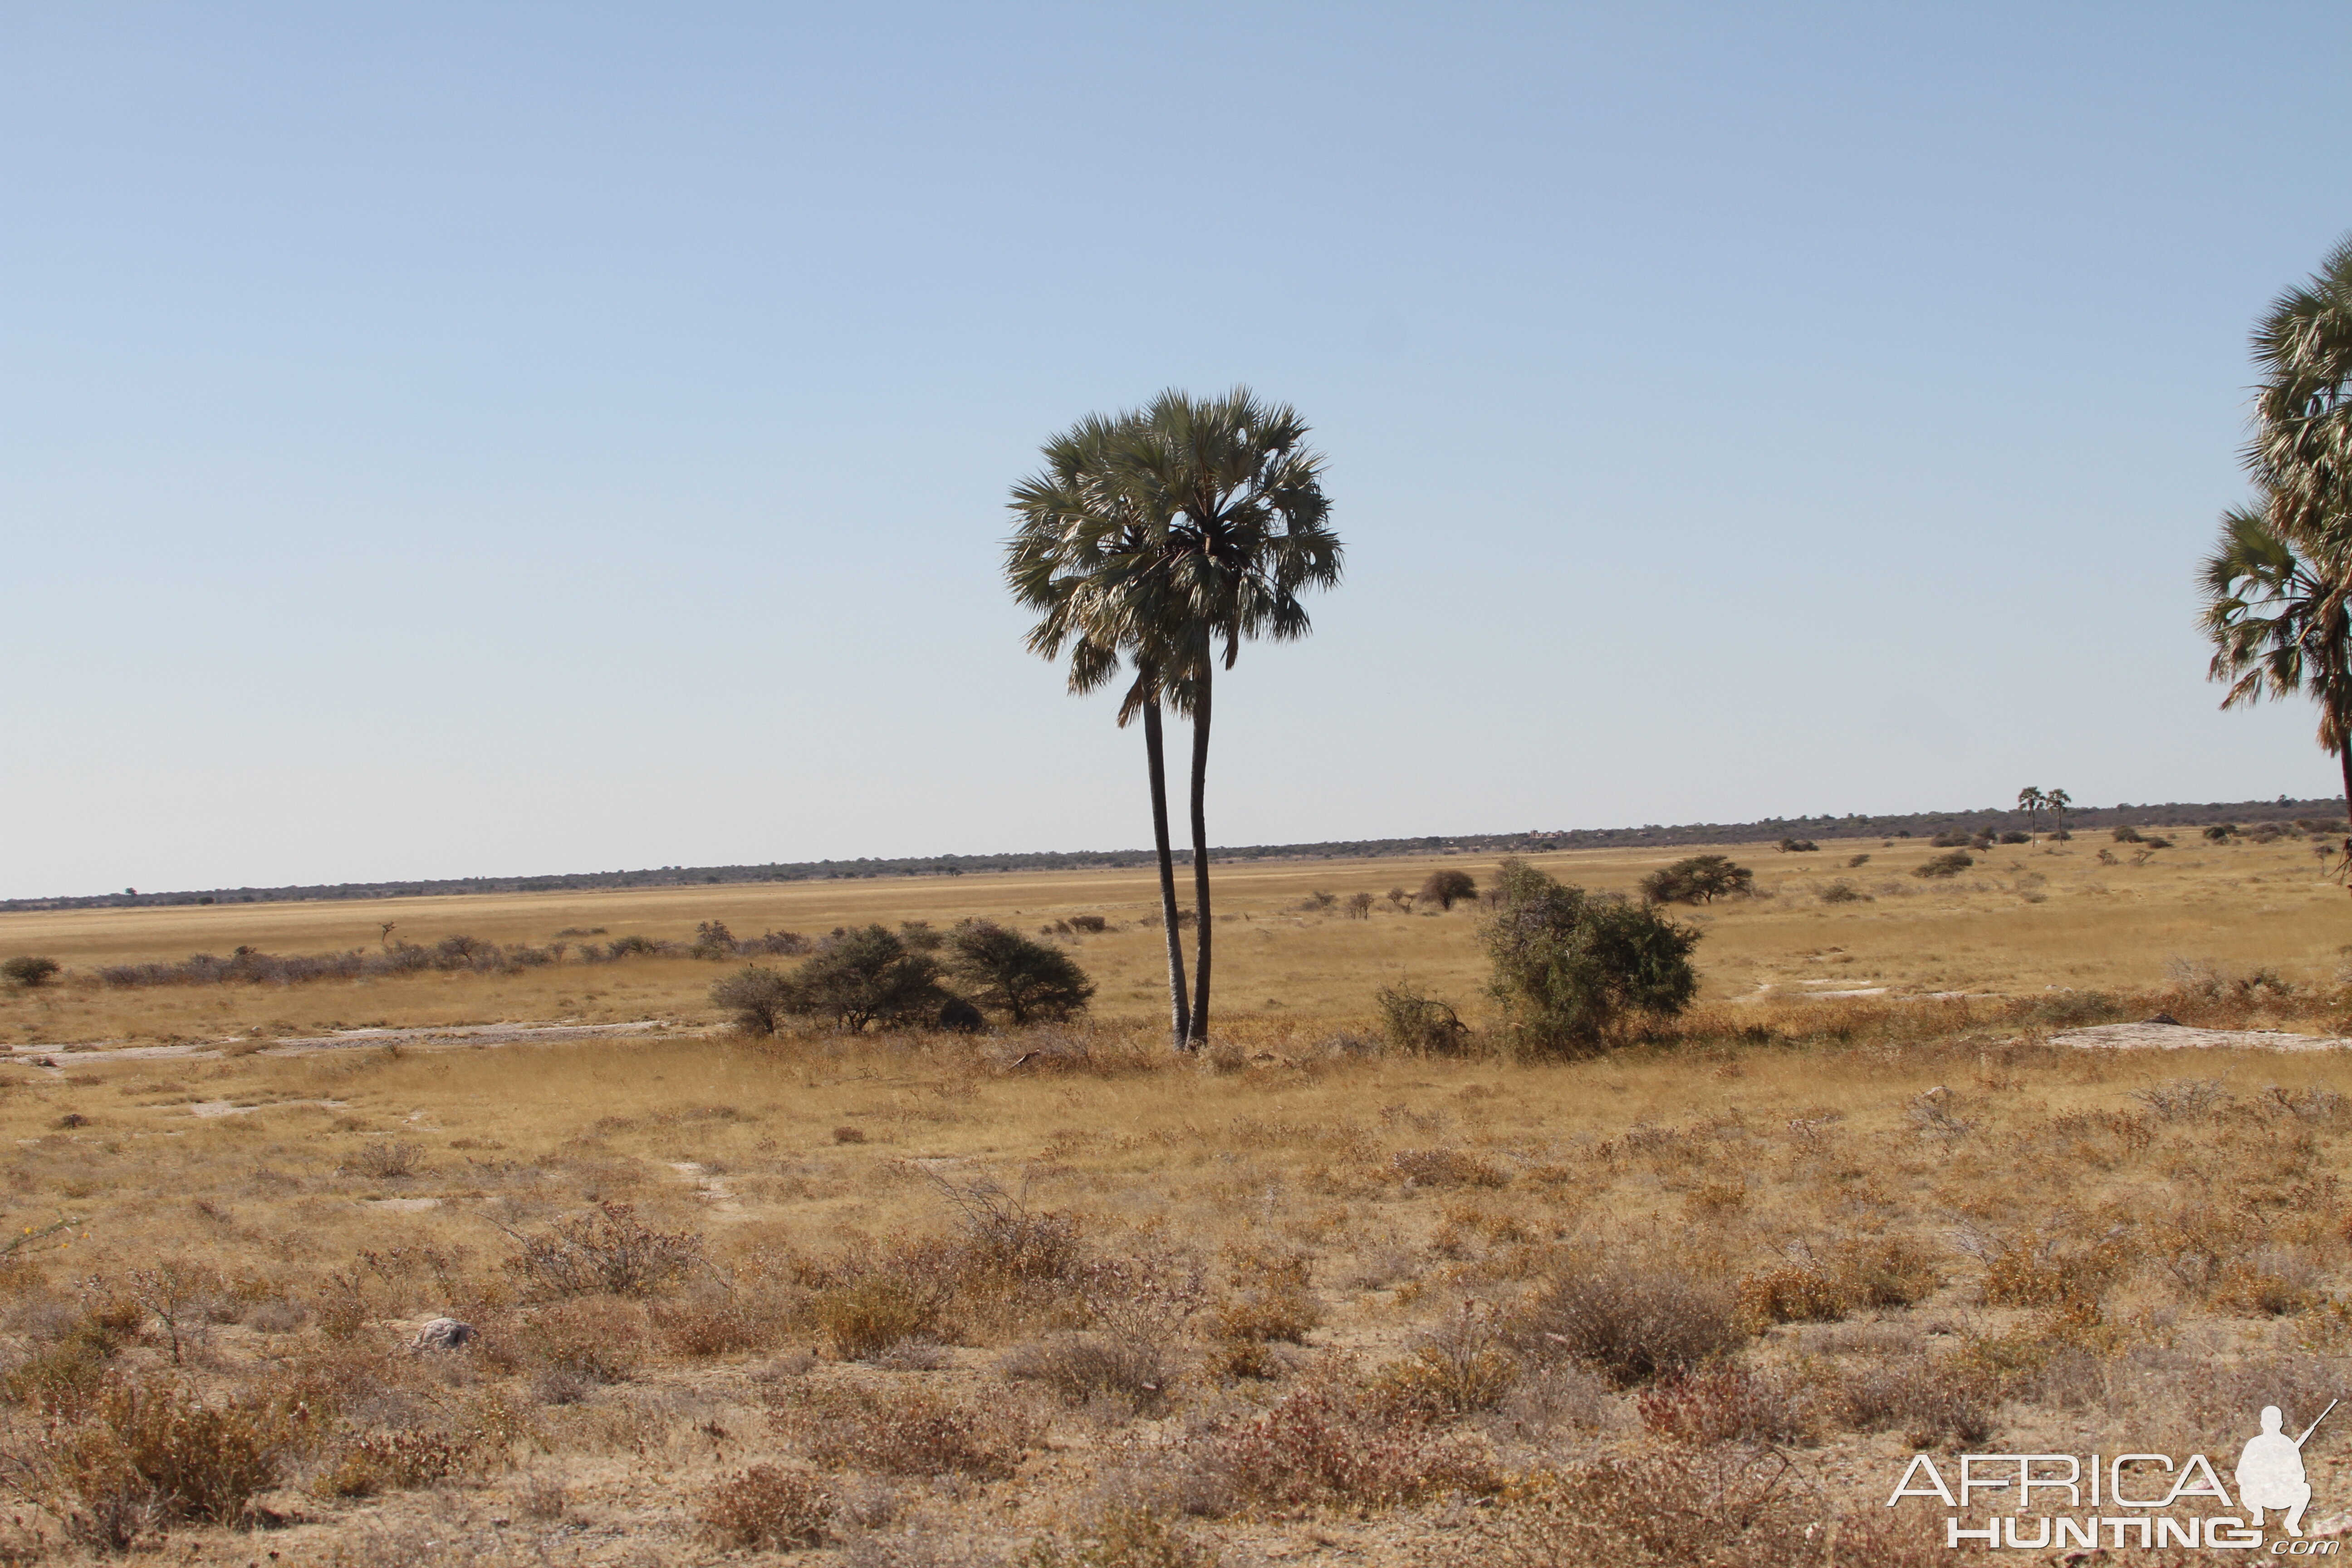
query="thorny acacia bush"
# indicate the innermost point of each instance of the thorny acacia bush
(1568, 964)
(869, 976)
(1023, 978)
(1697, 880)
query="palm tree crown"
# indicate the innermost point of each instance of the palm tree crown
(2302, 449)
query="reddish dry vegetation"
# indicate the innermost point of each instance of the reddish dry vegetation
(898, 1300)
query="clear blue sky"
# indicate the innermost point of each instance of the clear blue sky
(454, 440)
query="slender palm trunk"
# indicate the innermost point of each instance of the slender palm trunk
(1200, 856)
(1180, 1021)
(2344, 755)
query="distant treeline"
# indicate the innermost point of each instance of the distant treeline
(1915, 825)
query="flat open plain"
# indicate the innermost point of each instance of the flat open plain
(898, 1300)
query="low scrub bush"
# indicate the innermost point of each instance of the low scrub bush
(1271, 1300)
(1122, 1537)
(608, 1249)
(1730, 1505)
(863, 1317)
(29, 970)
(906, 1430)
(1951, 865)
(2053, 1268)
(1328, 1443)
(1796, 847)
(701, 1329)
(151, 1451)
(1729, 1404)
(767, 1508)
(1445, 1168)
(1459, 1369)
(1634, 1320)
(397, 1461)
(1874, 1271)
(1423, 1025)
(1082, 1368)
(1933, 1404)
(590, 1339)
(1838, 891)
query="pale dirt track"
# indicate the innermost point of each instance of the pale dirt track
(2180, 1037)
(443, 1035)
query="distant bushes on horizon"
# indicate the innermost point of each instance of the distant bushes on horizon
(452, 954)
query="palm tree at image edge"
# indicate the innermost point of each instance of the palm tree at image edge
(2277, 583)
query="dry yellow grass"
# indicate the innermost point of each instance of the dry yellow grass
(2094, 1248)
(2024, 920)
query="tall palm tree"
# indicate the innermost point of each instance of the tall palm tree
(2279, 611)
(2029, 801)
(1080, 536)
(2302, 449)
(2057, 801)
(1242, 530)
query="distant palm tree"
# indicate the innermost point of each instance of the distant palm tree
(1080, 536)
(2279, 611)
(2057, 801)
(1243, 529)
(2029, 801)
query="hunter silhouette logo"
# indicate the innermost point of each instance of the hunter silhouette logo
(2270, 1471)
(2142, 1489)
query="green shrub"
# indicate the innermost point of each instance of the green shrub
(869, 976)
(1949, 865)
(29, 971)
(1568, 965)
(1017, 976)
(1700, 879)
(1796, 847)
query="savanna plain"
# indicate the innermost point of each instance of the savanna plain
(1054, 1296)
